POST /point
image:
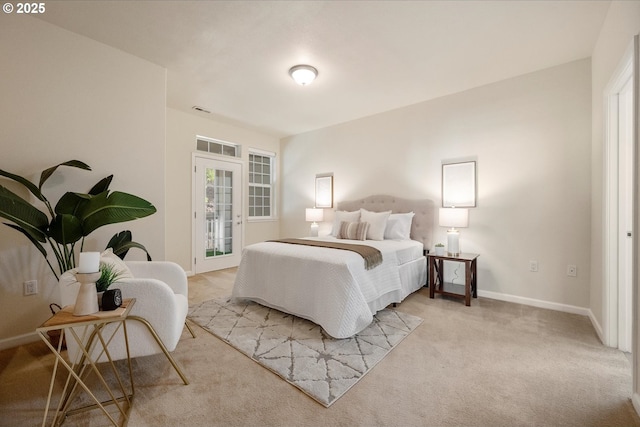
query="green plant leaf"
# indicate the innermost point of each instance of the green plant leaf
(30, 186)
(104, 208)
(23, 214)
(101, 186)
(119, 240)
(121, 243)
(66, 229)
(71, 203)
(49, 171)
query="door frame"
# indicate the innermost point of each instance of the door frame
(620, 77)
(219, 158)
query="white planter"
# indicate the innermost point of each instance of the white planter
(439, 250)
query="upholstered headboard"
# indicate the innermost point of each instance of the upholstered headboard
(422, 226)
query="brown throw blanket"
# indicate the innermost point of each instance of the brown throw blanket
(372, 257)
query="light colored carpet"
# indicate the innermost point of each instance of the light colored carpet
(492, 364)
(299, 351)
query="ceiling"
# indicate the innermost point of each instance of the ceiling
(232, 57)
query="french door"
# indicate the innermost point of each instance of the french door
(217, 214)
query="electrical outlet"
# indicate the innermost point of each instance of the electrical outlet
(30, 287)
(533, 266)
(572, 270)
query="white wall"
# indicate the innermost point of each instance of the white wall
(181, 142)
(621, 24)
(64, 97)
(531, 137)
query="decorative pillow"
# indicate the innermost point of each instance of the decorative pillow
(399, 226)
(343, 216)
(377, 223)
(108, 257)
(353, 230)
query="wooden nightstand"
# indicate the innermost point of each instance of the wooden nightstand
(437, 285)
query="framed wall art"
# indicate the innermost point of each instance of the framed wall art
(459, 185)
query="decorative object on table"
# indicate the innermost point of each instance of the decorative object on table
(439, 249)
(453, 217)
(111, 299)
(87, 275)
(76, 215)
(314, 216)
(299, 351)
(109, 274)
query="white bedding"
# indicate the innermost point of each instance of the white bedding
(328, 286)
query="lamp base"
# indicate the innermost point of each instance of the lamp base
(87, 299)
(314, 230)
(453, 243)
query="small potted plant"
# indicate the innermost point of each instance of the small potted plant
(439, 249)
(108, 275)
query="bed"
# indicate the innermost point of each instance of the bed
(331, 287)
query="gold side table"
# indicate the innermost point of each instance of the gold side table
(88, 332)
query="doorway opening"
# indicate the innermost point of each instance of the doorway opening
(619, 199)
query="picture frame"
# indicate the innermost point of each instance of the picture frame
(324, 190)
(459, 185)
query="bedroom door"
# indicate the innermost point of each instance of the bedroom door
(217, 214)
(625, 215)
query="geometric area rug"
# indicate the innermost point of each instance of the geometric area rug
(298, 350)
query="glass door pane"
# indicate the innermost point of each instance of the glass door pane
(218, 219)
(218, 214)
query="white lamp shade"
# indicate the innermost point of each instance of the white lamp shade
(314, 215)
(303, 74)
(453, 217)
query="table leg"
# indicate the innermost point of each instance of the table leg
(432, 279)
(474, 278)
(467, 283)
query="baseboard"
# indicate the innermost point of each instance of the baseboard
(18, 340)
(535, 302)
(597, 327)
(635, 399)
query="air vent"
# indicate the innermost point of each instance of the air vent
(202, 110)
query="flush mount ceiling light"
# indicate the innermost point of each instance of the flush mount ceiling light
(303, 74)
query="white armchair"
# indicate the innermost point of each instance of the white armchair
(158, 317)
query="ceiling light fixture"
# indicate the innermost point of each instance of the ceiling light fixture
(303, 74)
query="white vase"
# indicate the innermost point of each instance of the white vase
(87, 299)
(439, 250)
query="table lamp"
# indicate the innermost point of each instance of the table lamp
(314, 215)
(88, 273)
(453, 217)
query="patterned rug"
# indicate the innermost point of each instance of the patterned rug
(298, 350)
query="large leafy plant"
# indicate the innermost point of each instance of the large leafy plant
(74, 217)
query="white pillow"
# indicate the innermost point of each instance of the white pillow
(108, 257)
(377, 223)
(343, 216)
(399, 226)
